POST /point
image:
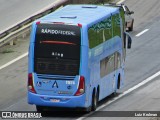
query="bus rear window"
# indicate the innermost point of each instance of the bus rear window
(54, 40)
(57, 43)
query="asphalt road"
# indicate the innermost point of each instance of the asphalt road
(143, 58)
(15, 11)
(146, 98)
(142, 61)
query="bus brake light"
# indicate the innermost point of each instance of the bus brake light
(30, 83)
(81, 87)
(79, 25)
(37, 23)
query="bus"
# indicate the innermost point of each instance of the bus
(77, 57)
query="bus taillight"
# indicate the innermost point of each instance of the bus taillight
(81, 87)
(30, 83)
(80, 25)
(37, 23)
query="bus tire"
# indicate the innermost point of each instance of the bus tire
(88, 110)
(39, 109)
(94, 101)
(119, 82)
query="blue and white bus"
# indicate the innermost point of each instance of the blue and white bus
(76, 56)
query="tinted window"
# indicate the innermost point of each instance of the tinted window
(110, 64)
(100, 32)
(57, 41)
(116, 25)
(57, 49)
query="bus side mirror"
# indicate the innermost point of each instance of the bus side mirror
(131, 12)
(129, 40)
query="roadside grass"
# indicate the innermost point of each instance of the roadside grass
(7, 51)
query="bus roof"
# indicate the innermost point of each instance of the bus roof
(82, 14)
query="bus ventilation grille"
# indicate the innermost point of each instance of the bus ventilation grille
(55, 77)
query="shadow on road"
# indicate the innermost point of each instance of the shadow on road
(61, 114)
(72, 113)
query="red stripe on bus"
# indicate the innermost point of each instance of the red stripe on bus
(57, 42)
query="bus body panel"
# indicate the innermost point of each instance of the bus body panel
(107, 83)
(57, 101)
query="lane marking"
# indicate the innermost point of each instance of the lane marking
(14, 60)
(121, 1)
(123, 94)
(141, 33)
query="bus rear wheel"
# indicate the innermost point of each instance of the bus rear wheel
(40, 109)
(94, 101)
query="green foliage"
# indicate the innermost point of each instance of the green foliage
(99, 1)
(7, 51)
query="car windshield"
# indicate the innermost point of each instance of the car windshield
(127, 9)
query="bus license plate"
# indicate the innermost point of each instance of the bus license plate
(55, 100)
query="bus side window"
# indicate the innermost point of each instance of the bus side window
(100, 32)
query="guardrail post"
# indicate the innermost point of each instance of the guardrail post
(11, 42)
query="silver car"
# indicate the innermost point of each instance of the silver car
(129, 19)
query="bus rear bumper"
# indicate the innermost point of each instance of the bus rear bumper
(57, 101)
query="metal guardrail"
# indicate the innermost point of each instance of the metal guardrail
(24, 27)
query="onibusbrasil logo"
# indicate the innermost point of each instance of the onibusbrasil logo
(22, 115)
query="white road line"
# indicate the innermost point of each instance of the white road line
(141, 33)
(121, 1)
(123, 94)
(14, 60)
